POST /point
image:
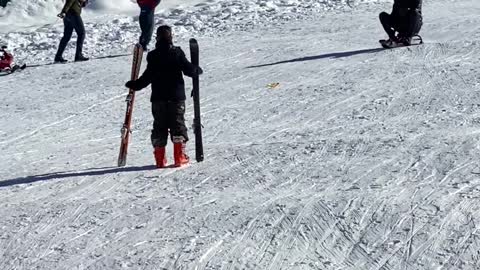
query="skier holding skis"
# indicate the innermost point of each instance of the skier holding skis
(72, 21)
(403, 23)
(165, 66)
(146, 20)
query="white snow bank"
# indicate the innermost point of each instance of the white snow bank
(109, 5)
(26, 13)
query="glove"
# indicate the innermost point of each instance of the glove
(131, 85)
(199, 71)
(61, 15)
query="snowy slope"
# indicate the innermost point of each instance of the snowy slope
(361, 158)
(114, 34)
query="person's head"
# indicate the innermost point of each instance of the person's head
(164, 35)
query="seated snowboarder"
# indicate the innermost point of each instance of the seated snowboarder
(403, 23)
(166, 63)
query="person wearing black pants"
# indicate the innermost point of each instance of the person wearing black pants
(147, 20)
(405, 19)
(169, 116)
(165, 69)
(72, 21)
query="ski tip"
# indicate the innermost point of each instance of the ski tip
(199, 158)
(193, 41)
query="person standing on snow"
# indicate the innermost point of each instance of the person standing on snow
(404, 22)
(72, 21)
(146, 20)
(165, 65)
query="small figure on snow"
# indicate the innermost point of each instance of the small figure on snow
(72, 21)
(6, 61)
(166, 63)
(403, 23)
(146, 20)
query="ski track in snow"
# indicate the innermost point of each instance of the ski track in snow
(361, 158)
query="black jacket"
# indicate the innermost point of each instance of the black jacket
(402, 8)
(164, 71)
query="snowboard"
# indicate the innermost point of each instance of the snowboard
(126, 128)
(197, 123)
(416, 40)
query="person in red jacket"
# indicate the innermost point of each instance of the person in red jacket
(146, 20)
(6, 59)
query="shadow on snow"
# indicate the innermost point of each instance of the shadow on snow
(61, 175)
(322, 56)
(69, 62)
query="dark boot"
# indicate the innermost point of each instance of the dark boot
(59, 60)
(81, 58)
(407, 41)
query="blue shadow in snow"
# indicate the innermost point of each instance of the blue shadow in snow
(322, 56)
(61, 175)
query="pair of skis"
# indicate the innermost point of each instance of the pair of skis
(126, 128)
(197, 125)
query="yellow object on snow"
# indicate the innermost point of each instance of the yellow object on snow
(273, 85)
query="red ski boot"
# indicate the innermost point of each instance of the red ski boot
(160, 157)
(179, 154)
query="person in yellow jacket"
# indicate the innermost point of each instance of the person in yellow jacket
(72, 21)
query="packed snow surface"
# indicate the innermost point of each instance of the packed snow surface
(322, 150)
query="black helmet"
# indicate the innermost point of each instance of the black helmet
(164, 34)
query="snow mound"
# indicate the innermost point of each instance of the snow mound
(21, 14)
